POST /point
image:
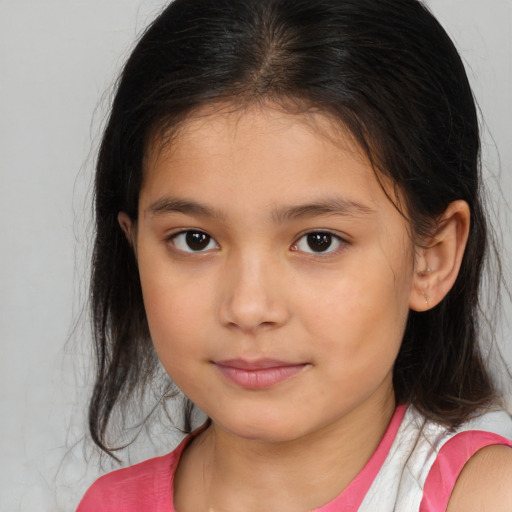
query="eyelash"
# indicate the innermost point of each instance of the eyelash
(339, 242)
(191, 232)
(185, 239)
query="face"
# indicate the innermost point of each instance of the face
(276, 274)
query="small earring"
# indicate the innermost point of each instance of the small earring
(426, 299)
(426, 271)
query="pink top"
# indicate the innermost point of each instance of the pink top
(449, 463)
(148, 486)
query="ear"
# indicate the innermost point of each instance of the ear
(437, 261)
(129, 228)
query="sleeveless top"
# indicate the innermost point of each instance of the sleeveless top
(414, 469)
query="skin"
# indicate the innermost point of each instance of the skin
(485, 484)
(252, 184)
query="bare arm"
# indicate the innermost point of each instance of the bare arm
(485, 484)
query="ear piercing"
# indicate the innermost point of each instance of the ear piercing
(425, 273)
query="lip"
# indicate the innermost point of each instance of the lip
(258, 374)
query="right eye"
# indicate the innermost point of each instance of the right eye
(193, 241)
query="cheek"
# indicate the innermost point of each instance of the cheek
(174, 321)
(360, 317)
(361, 340)
(176, 309)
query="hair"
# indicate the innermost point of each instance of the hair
(388, 73)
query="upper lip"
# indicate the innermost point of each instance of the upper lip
(259, 364)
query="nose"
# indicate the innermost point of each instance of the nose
(253, 297)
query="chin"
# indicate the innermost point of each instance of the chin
(268, 432)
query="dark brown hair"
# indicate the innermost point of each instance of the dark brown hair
(387, 71)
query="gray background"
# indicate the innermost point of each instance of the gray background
(58, 59)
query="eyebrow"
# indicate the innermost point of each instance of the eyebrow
(167, 205)
(326, 206)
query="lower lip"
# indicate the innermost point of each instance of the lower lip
(260, 378)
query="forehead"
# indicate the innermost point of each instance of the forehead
(260, 153)
(206, 124)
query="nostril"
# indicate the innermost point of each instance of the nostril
(253, 312)
(249, 297)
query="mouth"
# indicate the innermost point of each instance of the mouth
(259, 374)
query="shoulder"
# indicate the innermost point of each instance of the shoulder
(427, 458)
(133, 488)
(485, 483)
(472, 466)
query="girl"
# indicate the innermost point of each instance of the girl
(288, 213)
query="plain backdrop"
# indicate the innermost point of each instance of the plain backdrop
(58, 61)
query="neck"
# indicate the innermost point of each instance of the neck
(220, 472)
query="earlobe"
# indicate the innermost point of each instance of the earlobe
(127, 225)
(438, 261)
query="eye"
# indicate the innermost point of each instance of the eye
(193, 241)
(318, 242)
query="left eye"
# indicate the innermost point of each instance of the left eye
(318, 242)
(194, 241)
